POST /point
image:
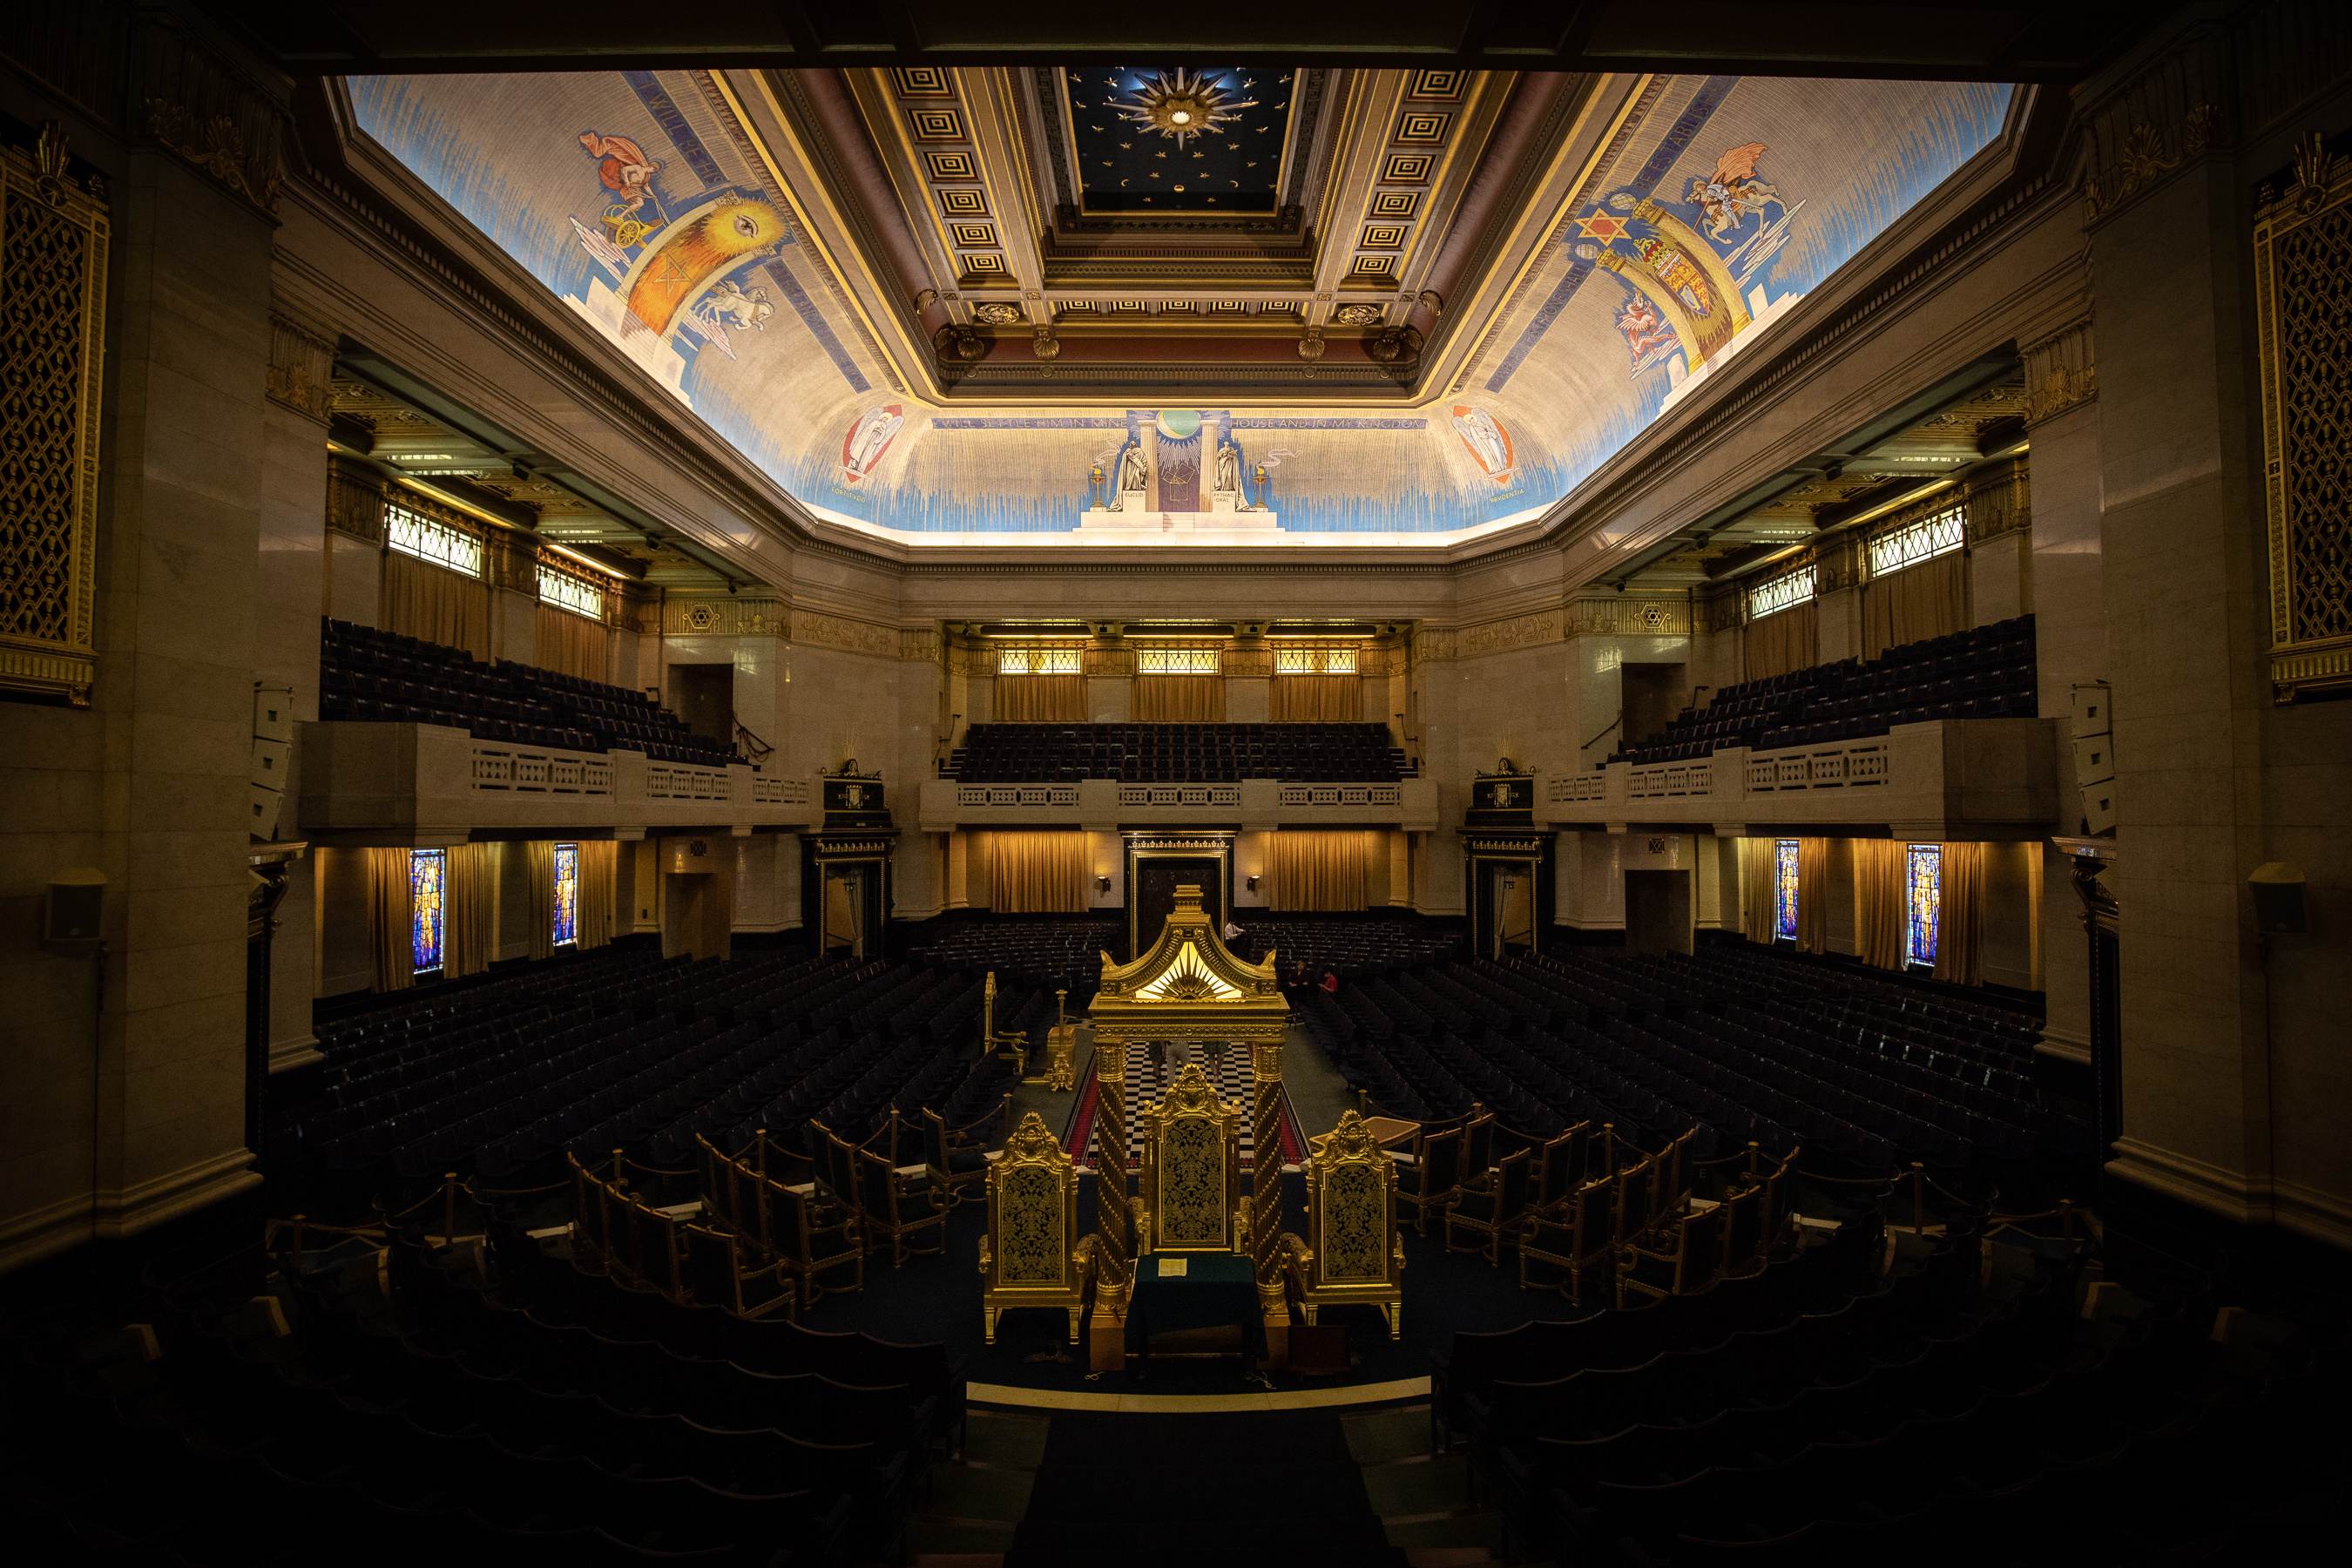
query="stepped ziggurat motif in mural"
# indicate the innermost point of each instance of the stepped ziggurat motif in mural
(1223, 299)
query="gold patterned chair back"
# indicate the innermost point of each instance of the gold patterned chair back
(1352, 1254)
(1031, 1256)
(1192, 1168)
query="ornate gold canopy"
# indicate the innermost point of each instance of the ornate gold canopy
(1189, 987)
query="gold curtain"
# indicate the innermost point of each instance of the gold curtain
(1039, 872)
(1756, 888)
(1782, 642)
(1317, 698)
(1040, 700)
(1314, 869)
(1180, 698)
(1929, 600)
(468, 910)
(572, 644)
(433, 604)
(599, 862)
(1812, 895)
(539, 898)
(1959, 919)
(1879, 906)
(390, 919)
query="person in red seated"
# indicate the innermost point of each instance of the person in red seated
(1331, 983)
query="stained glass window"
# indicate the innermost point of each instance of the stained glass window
(426, 871)
(1923, 893)
(1784, 888)
(567, 893)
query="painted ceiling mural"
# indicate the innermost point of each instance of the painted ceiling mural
(640, 200)
(1210, 140)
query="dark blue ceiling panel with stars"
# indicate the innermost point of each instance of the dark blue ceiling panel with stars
(1176, 139)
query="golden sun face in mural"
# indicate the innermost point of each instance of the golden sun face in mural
(1182, 104)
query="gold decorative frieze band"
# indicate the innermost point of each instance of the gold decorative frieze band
(729, 614)
(1624, 615)
(839, 631)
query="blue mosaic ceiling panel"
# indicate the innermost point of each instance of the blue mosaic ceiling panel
(1150, 139)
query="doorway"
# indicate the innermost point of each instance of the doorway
(704, 695)
(1658, 917)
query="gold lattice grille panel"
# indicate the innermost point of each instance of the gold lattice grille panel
(2303, 284)
(52, 288)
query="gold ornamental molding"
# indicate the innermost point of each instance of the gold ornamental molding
(196, 105)
(919, 644)
(2166, 117)
(1433, 645)
(355, 496)
(53, 241)
(301, 366)
(2302, 269)
(2000, 502)
(2062, 372)
(1505, 636)
(1622, 614)
(731, 615)
(839, 631)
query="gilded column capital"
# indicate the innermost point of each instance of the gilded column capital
(301, 365)
(2062, 372)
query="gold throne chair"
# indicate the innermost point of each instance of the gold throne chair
(1353, 1253)
(1031, 1256)
(1192, 1170)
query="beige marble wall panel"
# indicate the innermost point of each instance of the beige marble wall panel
(2181, 543)
(2012, 915)
(1998, 573)
(290, 573)
(1838, 624)
(1248, 699)
(1110, 700)
(759, 905)
(2069, 636)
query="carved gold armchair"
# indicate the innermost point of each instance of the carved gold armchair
(1353, 1253)
(1191, 1169)
(1031, 1256)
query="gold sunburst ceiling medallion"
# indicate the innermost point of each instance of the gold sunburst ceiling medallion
(1182, 104)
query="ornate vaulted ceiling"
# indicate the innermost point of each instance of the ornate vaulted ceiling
(920, 297)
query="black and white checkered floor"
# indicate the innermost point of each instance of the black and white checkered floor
(1147, 1084)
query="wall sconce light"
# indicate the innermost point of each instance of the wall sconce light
(1103, 883)
(1252, 882)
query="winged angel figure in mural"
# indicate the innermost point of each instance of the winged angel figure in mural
(1733, 191)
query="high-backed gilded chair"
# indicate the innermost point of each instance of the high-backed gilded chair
(1576, 1242)
(1353, 1253)
(954, 1163)
(1560, 1170)
(722, 1272)
(1032, 1255)
(1690, 1263)
(810, 1240)
(1191, 1169)
(896, 1205)
(1429, 1176)
(1492, 1213)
